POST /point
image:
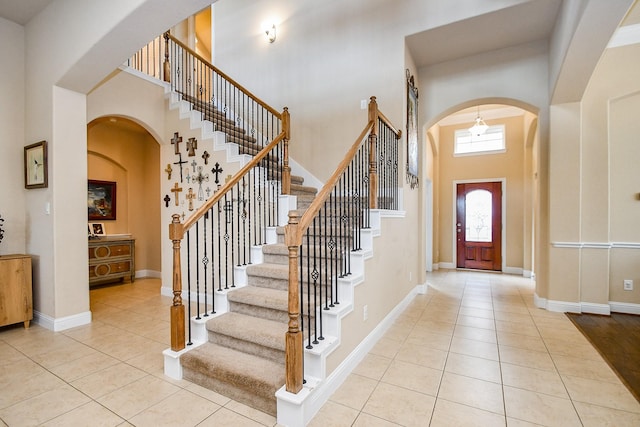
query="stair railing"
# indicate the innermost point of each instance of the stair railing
(321, 240)
(221, 233)
(246, 119)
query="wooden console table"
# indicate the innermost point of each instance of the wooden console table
(16, 304)
(111, 258)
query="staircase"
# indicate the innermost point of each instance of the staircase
(244, 356)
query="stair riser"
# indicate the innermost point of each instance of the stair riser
(247, 347)
(262, 398)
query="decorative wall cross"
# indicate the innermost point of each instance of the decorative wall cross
(188, 178)
(168, 170)
(176, 190)
(192, 145)
(208, 191)
(193, 165)
(175, 141)
(200, 178)
(206, 156)
(217, 170)
(180, 162)
(167, 199)
(190, 196)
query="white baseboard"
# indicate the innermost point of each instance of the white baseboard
(593, 308)
(528, 274)
(586, 307)
(447, 265)
(152, 274)
(62, 323)
(513, 270)
(624, 307)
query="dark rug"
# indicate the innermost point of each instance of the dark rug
(617, 339)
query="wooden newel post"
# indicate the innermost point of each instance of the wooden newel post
(176, 233)
(293, 349)
(373, 154)
(166, 66)
(286, 169)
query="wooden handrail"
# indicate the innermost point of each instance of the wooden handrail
(226, 77)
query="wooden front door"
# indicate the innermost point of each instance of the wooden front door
(479, 225)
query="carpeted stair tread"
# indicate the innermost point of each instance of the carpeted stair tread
(258, 296)
(245, 378)
(250, 329)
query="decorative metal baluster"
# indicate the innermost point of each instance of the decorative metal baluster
(205, 260)
(308, 282)
(197, 270)
(232, 236)
(321, 271)
(219, 208)
(226, 241)
(315, 276)
(213, 276)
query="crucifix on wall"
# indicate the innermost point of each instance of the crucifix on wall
(206, 156)
(200, 178)
(168, 170)
(180, 163)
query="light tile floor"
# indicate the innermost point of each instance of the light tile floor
(472, 351)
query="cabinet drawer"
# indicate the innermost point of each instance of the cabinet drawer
(103, 270)
(109, 251)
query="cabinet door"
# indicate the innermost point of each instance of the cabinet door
(15, 291)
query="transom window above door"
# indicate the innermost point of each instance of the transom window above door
(492, 141)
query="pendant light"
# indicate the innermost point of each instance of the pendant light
(479, 127)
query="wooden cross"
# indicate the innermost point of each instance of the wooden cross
(206, 156)
(192, 145)
(175, 141)
(193, 165)
(167, 199)
(168, 170)
(190, 196)
(176, 190)
(180, 162)
(217, 170)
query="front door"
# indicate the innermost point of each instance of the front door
(479, 225)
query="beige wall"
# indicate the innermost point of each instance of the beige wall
(508, 165)
(594, 193)
(130, 157)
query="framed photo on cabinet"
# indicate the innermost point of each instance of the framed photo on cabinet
(36, 170)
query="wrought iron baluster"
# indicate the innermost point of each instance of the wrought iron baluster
(308, 282)
(205, 260)
(189, 288)
(213, 276)
(197, 270)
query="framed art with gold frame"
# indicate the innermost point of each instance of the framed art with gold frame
(36, 170)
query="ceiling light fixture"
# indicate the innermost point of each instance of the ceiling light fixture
(270, 31)
(479, 127)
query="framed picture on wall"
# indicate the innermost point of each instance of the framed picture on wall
(35, 165)
(412, 131)
(101, 200)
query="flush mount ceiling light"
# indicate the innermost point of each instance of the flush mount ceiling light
(479, 127)
(270, 32)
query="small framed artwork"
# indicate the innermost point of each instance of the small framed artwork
(412, 131)
(97, 228)
(101, 200)
(36, 170)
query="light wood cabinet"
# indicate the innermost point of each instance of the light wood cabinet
(16, 304)
(111, 259)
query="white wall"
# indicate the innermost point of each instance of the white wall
(12, 138)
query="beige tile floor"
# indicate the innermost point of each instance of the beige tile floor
(472, 351)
